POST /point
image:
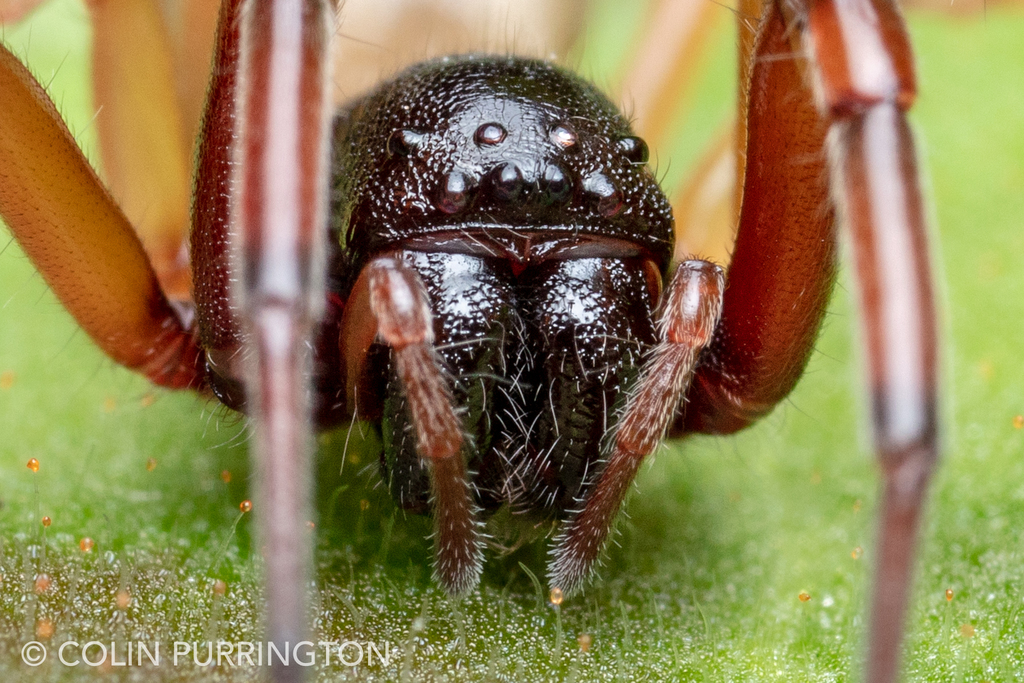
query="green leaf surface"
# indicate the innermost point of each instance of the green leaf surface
(721, 539)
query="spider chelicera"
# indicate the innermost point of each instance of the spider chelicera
(494, 279)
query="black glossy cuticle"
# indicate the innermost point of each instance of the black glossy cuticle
(564, 136)
(523, 134)
(508, 186)
(607, 198)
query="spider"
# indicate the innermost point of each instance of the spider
(531, 194)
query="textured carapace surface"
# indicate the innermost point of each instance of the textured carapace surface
(524, 202)
(468, 144)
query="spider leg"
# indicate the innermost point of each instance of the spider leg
(80, 241)
(658, 85)
(691, 311)
(212, 269)
(278, 213)
(864, 78)
(662, 73)
(784, 260)
(381, 37)
(145, 142)
(399, 303)
(704, 204)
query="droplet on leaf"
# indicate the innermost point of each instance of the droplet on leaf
(44, 629)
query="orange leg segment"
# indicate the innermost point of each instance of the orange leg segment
(662, 73)
(81, 242)
(144, 142)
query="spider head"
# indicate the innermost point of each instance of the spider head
(489, 145)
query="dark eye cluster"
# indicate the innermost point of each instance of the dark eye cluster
(480, 143)
(507, 182)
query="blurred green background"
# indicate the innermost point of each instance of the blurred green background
(724, 535)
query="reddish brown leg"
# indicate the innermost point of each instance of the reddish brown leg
(865, 81)
(81, 242)
(691, 311)
(783, 266)
(212, 270)
(212, 265)
(399, 303)
(891, 251)
(279, 217)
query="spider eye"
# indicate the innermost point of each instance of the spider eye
(455, 193)
(490, 134)
(556, 185)
(403, 142)
(634, 149)
(564, 136)
(606, 197)
(507, 182)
